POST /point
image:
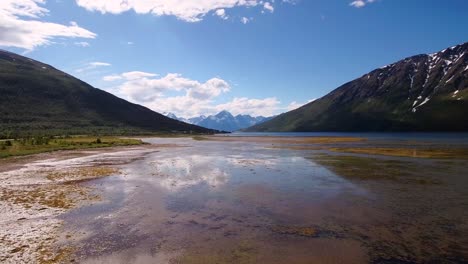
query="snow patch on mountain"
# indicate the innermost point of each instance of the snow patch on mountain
(223, 120)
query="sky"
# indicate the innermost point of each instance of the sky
(257, 57)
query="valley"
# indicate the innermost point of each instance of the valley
(233, 132)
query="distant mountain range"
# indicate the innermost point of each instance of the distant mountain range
(427, 92)
(223, 120)
(36, 98)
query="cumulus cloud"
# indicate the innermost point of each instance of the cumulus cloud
(143, 87)
(21, 25)
(256, 107)
(210, 89)
(186, 97)
(133, 75)
(268, 6)
(186, 10)
(186, 106)
(112, 78)
(361, 3)
(221, 13)
(245, 20)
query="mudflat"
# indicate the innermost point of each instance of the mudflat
(238, 200)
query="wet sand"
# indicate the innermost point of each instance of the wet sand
(241, 200)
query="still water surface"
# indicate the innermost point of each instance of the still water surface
(246, 202)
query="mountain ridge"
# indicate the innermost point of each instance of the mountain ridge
(224, 120)
(37, 98)
(425, 92)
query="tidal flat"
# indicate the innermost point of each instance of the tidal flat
(216, 199)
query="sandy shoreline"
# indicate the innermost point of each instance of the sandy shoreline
(35, 190)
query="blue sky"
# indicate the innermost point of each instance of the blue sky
(254, 57)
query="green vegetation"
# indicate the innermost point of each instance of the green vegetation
(363, 168)
(34, 145)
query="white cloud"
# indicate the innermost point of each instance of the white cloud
(210, 89)
(93, 65)
(99, 64)
(221, 13)
(182, 105)
(295, 105)
(361, 3)
(133, 75)
(255, 107)
(186, 97)
(245, 20)
(186, 10)
(143, 87)
(112, 78)
(290, 1)
(186, 106)
(358, 3)
(268, 6)
(20, 25)
(83, 44)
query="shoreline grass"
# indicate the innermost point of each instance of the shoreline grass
(30, 146)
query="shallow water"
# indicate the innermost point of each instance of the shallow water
(451, 137)
(238, 202)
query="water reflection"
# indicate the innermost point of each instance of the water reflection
(177, 173)
(221, 203)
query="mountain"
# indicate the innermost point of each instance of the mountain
(224, 121)
(37, 98)
(427, 92)
(195, 120)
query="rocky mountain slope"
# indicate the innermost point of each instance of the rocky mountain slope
(427, 92)
(223, 120)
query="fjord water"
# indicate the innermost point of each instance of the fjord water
(252, 202)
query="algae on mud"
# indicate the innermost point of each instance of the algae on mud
(60, 195)
(81, 174)
(412, 152)
(293, 230)
(242, 253)
(367, 168)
